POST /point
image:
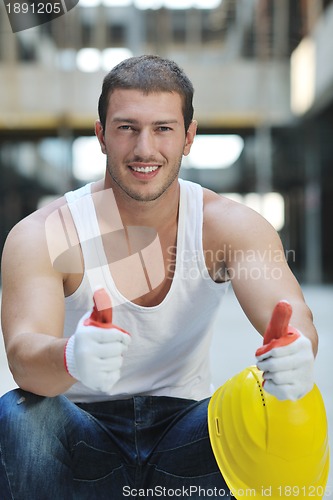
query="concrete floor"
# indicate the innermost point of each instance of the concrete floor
(235, 342)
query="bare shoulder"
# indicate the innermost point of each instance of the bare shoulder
(234, 225)
(37, 238)
(32, 229)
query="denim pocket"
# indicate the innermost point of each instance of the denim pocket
(92, 464)
(193, 459)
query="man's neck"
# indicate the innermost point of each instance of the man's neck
(159, 213)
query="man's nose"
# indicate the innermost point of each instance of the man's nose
(145, 144)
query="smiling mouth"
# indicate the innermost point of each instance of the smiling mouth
(144, 170)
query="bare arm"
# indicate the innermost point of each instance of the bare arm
(257, 266)
(33, 311)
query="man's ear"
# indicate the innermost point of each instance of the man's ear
(190, 134)
(99, 131)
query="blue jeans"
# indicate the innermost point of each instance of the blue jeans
(143, 447)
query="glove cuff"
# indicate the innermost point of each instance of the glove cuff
(69, 358)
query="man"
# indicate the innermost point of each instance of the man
(122, 411)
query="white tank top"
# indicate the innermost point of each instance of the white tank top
(169, 353)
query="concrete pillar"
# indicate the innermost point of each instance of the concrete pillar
(314, 11)
(98, 39)
(312, 215)
(163, 32)
(8, 40)
(193, 30)
(263, 159)
(281, 28)
(135, 31)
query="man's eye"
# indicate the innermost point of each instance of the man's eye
(125, 127)
(164, 129)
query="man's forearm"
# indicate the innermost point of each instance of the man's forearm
(37, 363)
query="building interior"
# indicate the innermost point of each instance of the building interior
(261, 74)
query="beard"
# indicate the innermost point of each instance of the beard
(136, 194)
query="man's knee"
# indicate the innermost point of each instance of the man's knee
(33, 444)
(17, 397)
(19, 401)
(22, 411)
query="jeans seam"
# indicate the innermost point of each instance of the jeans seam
(100, 478)
(5, 469)
(183, 477)
(179, 447)
(82, 441)
(138, 461)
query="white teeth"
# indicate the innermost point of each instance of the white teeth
(145, 170)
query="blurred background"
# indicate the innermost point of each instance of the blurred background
(263, 77)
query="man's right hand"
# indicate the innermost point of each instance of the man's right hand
(94, 355)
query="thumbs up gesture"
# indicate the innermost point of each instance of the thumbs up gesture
(286, 357)
(94, 354)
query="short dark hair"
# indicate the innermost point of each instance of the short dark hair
(148, 73)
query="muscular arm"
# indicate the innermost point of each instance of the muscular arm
(32, 312)
(256, 265)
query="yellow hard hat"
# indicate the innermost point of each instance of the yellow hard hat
(266, 448)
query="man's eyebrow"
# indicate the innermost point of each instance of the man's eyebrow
(165, 122)
(119, 119)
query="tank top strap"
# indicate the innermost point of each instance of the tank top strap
(81, 206)
(191, 215)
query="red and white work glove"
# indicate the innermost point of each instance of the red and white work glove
(94, 353)
(286, 358)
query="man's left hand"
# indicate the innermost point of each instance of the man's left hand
(286, 358)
